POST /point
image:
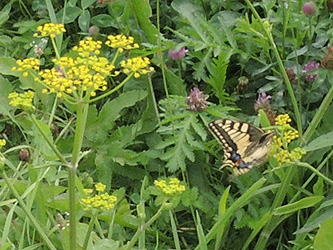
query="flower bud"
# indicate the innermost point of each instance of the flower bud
(24, 155)
(177, 54)
(309, 8)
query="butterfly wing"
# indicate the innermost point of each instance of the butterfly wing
(244, 145)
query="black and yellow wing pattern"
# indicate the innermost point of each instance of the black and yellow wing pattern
(244, 145)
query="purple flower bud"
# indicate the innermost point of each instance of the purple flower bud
(177, 54)
(263, 102)
(309, 8)
(93, 30)
(312, 65)
(196, 101)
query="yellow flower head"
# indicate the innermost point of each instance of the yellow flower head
(77, 76)
(100, 187)
(21, 100)
(100, 201)
(285, 134)
(88, 46)
(50, 29)
(26, 65)
(138, 65)
(2, 143)
(121, 42)
(170, 187)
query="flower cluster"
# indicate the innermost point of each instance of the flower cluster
(197, 100)
(177, 54)
(263, 102)
(137, 65)
(2, 143)
(101, 201)
(88, 46)
(50, 29)
(80, 76)
(121, 42)
(310, 66)
(26, 65)
(74, 76)
(170, 187)
(21, 100)
(286, 134)
(309, 8)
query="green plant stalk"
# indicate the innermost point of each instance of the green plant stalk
(88, 234)
(282, 69)
(272, 222)
(304, 164)
(142, 228)
(53, 147)
(319, 113)
(81, 114)
(27, 212)
(159, 44)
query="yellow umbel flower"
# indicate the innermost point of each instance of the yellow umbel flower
(88, 46)
(138, 65)
(2, 143)
(21, 100)
(121, 42)
(285, 134)
(77, 76)
(100, 201)
(50, 29)
(170, 187)
(26, 65)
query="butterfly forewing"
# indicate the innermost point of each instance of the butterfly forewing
(244, 145)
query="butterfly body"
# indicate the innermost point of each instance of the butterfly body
(244, 145)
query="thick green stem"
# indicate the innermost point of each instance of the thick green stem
(81, 114)
(27, 212)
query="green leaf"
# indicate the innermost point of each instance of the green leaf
(102, 20)
(298, 205)
(143, 12)
(87, 3)
(318, 187)
(71, 14)
(323, 239)
(223, 201)
(84, 21)
(322, 141)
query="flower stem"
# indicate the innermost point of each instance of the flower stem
(142, 228)
(81, 113)
(112, 90)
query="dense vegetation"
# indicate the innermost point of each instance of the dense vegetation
(105, 107)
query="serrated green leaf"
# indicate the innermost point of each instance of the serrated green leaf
(188, 152)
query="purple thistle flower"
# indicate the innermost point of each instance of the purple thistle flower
(197, 100)
(312, 65)
(177, 54)
(263, 102)
(309, 8)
